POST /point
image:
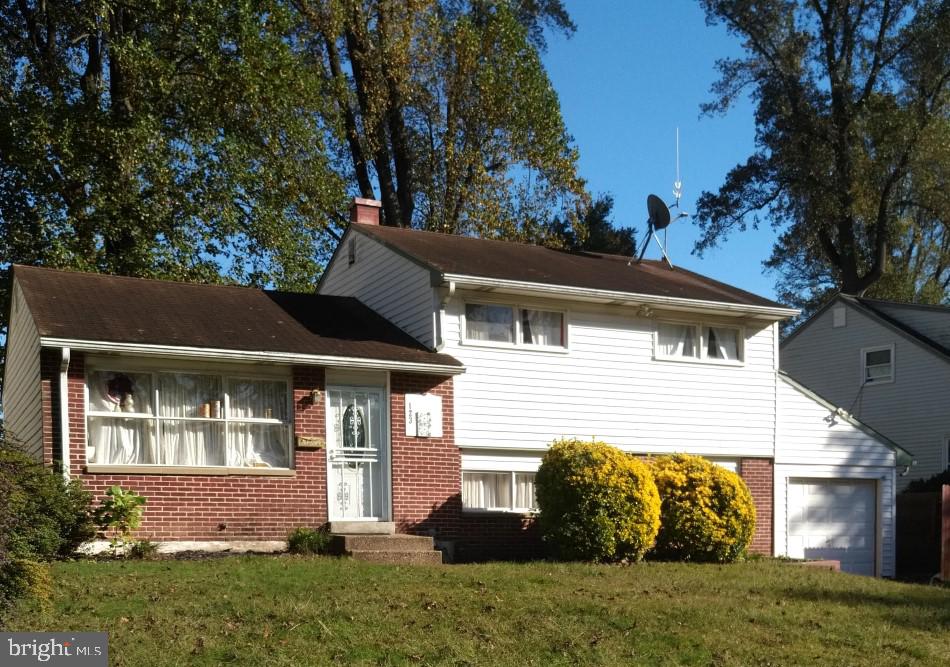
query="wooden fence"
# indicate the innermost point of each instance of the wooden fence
(923, 535)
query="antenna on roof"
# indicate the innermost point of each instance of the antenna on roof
(659, 213)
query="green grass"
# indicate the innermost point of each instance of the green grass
(316, 610)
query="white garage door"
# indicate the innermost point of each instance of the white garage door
(834, 519)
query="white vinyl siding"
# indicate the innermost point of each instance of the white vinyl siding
(22, 394)
(607, 385)
(912, 410)
(393, 286)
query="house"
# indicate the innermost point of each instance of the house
(419, 388)
(889, 364)
(650, 359)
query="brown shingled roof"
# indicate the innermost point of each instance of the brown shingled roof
(504, 260)
(96, 307)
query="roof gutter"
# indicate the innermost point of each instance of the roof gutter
(623, 298)
(258, 356)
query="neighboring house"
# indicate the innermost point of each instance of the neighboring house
(241, 413)
(650, 359)
(889, 364)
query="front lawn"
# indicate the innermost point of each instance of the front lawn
(300, 611)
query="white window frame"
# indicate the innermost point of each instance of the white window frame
(499, 510)
(864, 366)
(225, 374)
(516, 309)
(700, 328)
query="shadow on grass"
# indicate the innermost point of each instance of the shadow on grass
(914, 607)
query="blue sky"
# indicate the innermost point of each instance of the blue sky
(632, 73)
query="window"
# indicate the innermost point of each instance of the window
(698, 342)
(489, 323)
(499, 491)
(878, 364)
(513, 325)
(187, 419)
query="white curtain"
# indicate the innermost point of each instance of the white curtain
(258, 399)
(722, 343)
(676, 340)
(540, 327)
(524, 491)
(489, 323)
(191, 443)
(486, 490)
(257, 445)
(121, 440)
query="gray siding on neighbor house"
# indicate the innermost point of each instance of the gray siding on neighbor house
(934, 323)
(913, 410)
(22, 398)
(398, 289)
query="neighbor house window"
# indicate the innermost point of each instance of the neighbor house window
(491, 323)
(499, 491)
(698, 342)
(187, 419)
(878, 364)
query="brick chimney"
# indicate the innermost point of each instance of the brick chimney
(365, 211)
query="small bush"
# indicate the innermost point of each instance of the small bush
(596, 502)
(45, 517)
(120, 514)
(22, 579)
(706, 515)
(304, 540)
(143, 550)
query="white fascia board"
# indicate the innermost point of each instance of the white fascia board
(254, 356)
(619, 298)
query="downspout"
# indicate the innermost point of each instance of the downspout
(64, 410)
(440, 315)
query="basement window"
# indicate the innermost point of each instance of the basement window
(878, 364)
(498, 491)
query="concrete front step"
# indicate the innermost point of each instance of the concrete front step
(398, 557)
(362, 527)
(346, 543)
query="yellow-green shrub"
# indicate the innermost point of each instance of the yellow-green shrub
(706, 512)
(596, 502)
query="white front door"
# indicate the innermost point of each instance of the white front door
(833, 519)
(357, 453)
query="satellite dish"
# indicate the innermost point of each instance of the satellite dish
(659, 218)
(659, 212)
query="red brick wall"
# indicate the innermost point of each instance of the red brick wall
(208, 507)
(427, 487)
(758, 476)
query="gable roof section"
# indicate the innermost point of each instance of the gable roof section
(901, 455)
(73, 306)
(872, 308)
(452, 255)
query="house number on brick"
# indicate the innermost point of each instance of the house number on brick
(423, 416)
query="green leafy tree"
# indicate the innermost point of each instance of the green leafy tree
(851, 97)
(444, 112)
(164, 139)
(596, 233)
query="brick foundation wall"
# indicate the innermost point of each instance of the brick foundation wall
(758, 476)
